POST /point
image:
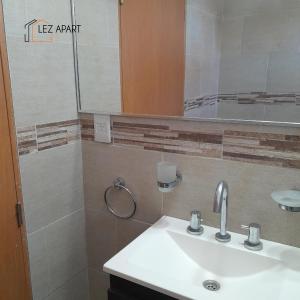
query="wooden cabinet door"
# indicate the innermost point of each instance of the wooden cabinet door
(14, 279)
(153, 56)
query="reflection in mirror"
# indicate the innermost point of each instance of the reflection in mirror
(98, 55)
(242, 58)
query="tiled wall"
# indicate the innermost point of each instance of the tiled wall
(99, 59)
(254, 160)
(50, 151)
(260, 46)
(41, 137)
(260, 53)
(203, 50)
(244, 49)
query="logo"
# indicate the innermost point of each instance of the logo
(42, 31)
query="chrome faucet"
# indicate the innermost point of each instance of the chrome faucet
(221, 207)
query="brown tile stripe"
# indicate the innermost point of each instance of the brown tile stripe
(27, 140)
(254, 97)
(264, 148)
(254, 147)
(267, 148)
(46, 136)
(162, 138)
(87, 128)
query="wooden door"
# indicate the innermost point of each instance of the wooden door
(14, 279)
(152, 56)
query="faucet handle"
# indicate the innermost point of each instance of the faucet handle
(196, 219)
(195, 223)
(253, 242)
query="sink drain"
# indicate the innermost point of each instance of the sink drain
(211, 285)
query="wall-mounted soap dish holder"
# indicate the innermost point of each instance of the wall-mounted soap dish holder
(168, 187)
(287, 200)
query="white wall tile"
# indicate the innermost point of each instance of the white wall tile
(244, 73)
(57, 253)
(99, 57)
(263, 34)
(54, 12)
(253, 73)
(14, 17)
(231, 35)
(100, 82)
(284, 72)
(229, 110)
(100, 22)
(39, 264)
(234, 8)
(203, 43)
(42, 82)
(283, 113)
(52, 184)
(213, 7)
(66, 248)
(76, 288)
(229, 74)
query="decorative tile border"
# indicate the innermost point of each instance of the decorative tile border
(244, 98)
(87, 127)
(267, 148)
(162, 138)
(221, 142)
(191, 104)
(27, 140)
(46, 136)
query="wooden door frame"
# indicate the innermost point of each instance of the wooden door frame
(13, 141)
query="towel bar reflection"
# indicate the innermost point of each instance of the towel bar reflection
(119, 184)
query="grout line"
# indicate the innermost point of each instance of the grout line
(56, 221)
(67, 281)
(140, 221)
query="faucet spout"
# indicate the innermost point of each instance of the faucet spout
(221, 207)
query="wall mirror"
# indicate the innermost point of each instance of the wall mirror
(223, 59)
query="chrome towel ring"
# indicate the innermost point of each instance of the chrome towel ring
(119, 184)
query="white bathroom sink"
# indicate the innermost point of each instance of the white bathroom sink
(167, 259)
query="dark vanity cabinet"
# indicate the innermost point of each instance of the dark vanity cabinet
(121, 289)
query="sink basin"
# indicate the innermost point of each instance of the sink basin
(167, 259)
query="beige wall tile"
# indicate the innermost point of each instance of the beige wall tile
(101, 229)
(128, 230)
(106, 235)
(99, 284)
(104, 163)
(249, 195)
